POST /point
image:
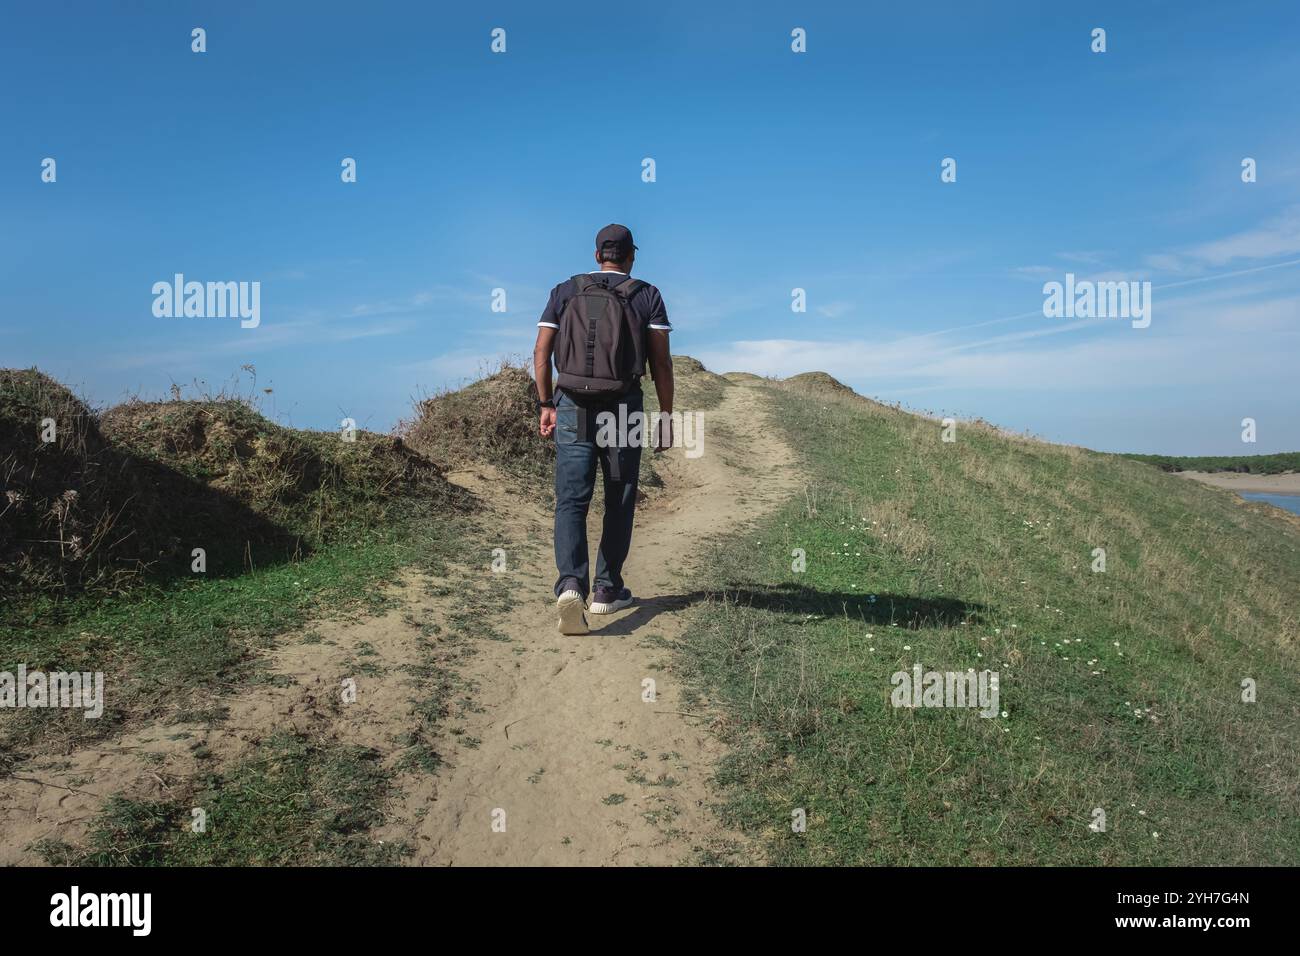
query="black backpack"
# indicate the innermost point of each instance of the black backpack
(600, 348)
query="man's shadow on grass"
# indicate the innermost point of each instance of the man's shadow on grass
(905, 611)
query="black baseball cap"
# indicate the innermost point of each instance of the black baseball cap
(620, 237)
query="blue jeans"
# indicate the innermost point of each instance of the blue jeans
(576, 454)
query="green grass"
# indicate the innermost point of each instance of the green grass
(1253, 464)
(978, 554)
(162, 648)
(292, 802)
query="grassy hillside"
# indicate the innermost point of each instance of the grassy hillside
(1249, 464)
(1121, 689)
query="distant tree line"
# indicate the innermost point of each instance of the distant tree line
(1251, 464)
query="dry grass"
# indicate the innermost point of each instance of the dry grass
(493, 420)
(126, 495)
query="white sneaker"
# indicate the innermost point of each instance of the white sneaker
(607, 601)
(572, 619)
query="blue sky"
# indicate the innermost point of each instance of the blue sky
(775, 170)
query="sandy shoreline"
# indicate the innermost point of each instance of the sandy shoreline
(1287, 483)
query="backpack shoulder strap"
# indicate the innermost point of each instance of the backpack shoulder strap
(629, 287)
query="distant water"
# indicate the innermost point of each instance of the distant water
(1289, 502)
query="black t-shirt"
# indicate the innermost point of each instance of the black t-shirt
(647, 304)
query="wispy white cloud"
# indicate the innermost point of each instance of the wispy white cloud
(1244, 343)
(459, 365)
(1276, 238)
(696, 309)
(371, 330)
(416, 302)
(267, 337)
(1036, 272)
(1084, 258)
(834, 310)
(298, 324)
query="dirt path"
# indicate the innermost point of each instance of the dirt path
(552, 730)
(584, 769)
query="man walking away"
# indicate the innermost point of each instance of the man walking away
(602, 328)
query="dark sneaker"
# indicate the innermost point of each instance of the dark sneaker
(607, 600)
(572, 620)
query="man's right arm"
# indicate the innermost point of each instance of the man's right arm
(547, 327)
(542, 363)
(542, 375)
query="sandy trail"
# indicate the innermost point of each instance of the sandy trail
(585, 770)
(552, 730)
